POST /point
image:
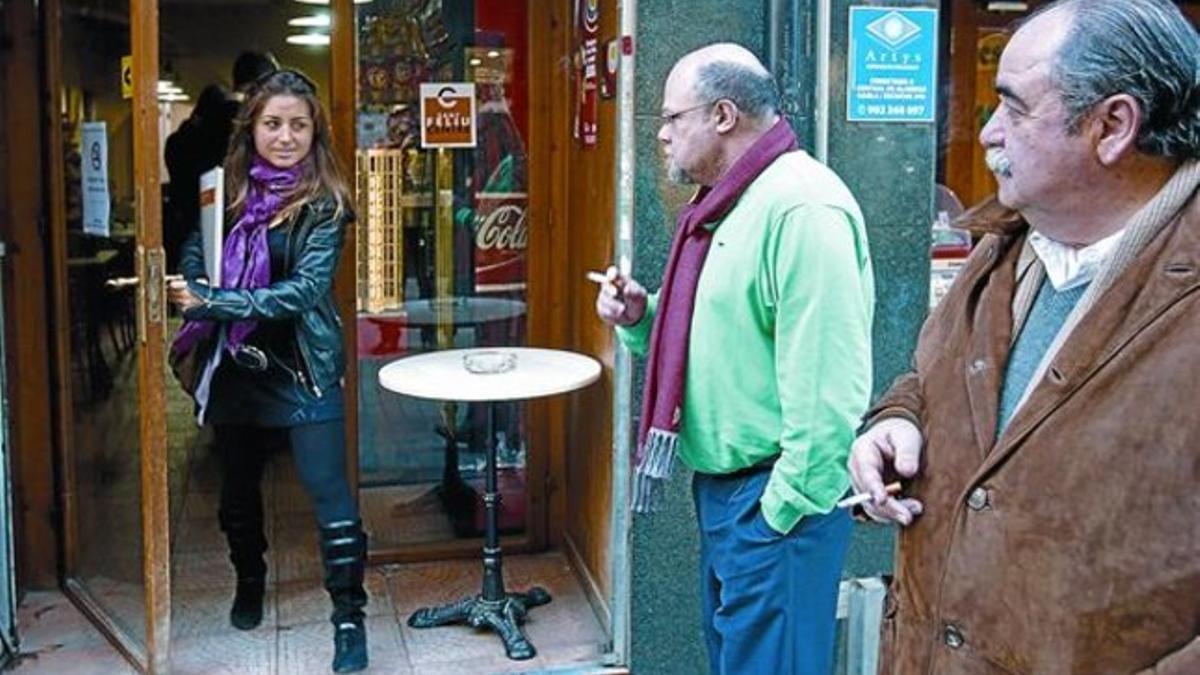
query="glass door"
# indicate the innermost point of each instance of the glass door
(441, 167)
(108, 273)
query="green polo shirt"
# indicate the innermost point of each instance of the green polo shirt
(780, 355)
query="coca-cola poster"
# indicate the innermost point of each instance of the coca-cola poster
(501, 238)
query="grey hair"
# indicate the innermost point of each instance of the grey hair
(1146, 49)
(753, 92)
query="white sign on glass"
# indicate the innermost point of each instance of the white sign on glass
(97, 203)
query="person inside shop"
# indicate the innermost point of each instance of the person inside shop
(1047, 436)
(199, 145)
(277, 351)
(759, 363)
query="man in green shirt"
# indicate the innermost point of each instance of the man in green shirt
(758, 348)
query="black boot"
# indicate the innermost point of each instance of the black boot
(247, 544)
(344, 549)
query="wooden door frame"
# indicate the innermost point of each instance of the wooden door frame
(153, 655)
(342, 104)
(26, 300)
(156, 548)
(547, 324)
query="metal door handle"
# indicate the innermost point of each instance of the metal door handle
(117, 283)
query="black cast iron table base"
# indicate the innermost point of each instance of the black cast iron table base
(494, 607)
(504, 616)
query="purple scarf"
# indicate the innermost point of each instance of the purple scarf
(246, 257)
(666, 366)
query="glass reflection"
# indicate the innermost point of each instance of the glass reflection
(442, 241)
(101, 238)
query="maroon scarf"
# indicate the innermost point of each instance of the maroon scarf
(666, 366)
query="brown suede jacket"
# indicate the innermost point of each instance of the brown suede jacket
(1071, 544)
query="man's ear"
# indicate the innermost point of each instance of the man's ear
(1117, 121)
(727, 114)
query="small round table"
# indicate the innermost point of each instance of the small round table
(461, 310)
(490, 375)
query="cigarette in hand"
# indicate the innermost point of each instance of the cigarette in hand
(602, 278)
(864, 497)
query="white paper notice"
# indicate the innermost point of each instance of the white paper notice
(97, 203)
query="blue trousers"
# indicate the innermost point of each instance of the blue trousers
(319, 450)
(769, 600)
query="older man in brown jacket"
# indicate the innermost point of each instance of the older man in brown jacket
(1049, 434)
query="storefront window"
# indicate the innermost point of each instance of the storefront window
(441, 258)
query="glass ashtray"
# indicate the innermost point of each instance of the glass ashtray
(489, 362)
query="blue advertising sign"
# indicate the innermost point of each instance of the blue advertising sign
(892, 66)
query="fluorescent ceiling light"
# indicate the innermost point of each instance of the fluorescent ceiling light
(314, 39)
(326, 2)
(172, 97)
(313, 21)
(168, 87)
(1007, 6)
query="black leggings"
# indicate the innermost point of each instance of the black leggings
(319, 451)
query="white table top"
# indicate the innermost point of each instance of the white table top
(461, 310)
(443, 375)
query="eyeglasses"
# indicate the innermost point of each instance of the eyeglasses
(669, 118)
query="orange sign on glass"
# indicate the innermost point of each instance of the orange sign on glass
(448, 115)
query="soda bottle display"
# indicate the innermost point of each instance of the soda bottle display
(499, 222)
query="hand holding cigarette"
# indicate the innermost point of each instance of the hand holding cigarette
(864, 497)
(889, 444)
(603, 278)
(621, 300)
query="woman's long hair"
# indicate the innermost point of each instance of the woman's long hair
(320, 176)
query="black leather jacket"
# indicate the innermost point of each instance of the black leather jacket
(305, 294)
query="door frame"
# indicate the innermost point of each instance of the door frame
(153, 654)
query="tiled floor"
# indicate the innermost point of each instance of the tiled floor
(295, 636)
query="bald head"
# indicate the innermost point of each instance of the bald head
(722, 52)
(729, 71)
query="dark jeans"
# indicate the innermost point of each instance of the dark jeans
(769, 600)
(319, 451)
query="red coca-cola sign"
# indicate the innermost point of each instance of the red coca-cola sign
(501, 237)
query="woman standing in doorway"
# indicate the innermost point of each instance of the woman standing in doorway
(279, 358)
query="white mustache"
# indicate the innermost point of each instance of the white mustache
(998, 162)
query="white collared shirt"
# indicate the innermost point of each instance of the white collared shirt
(1068, 266)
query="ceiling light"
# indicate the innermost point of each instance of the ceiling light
(493, 54)
(326, 2)
(1007, 6)
(313, 21)
(474, 61)
(168, 87)
(172, 97)
(313, 39)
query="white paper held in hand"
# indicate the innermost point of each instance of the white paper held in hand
(212, 222)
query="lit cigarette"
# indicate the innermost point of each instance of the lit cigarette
(864, 497)
(597, 277)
